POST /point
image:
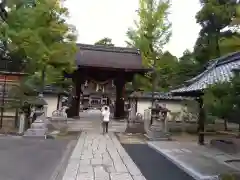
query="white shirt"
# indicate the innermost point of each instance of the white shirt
(106, 115)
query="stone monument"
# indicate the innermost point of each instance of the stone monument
(158, 129)
(38, 128)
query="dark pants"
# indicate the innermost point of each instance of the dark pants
(105, 127)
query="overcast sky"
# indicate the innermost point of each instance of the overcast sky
(96, 19)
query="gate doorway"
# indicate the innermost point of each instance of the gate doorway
(106, 66)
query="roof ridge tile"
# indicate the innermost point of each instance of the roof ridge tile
(108, 48)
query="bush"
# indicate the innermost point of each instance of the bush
(210, 119)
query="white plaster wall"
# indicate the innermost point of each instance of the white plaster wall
(173, 106)
(142, 105)
(9, 112)
(52, 103)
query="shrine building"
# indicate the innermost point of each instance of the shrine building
(102, 73)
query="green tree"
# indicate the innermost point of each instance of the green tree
(105, 41)
(150, 34)
(219, 101)
(223, 100)
(214, 17)
(234, 92)
(232, 44)
(187, 67)
(38, 33)
(166, 70)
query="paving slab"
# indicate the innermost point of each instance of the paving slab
(30, 159)
(199, 162)
(100, 157)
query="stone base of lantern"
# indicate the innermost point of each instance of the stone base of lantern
(38, 129)
(158, 132)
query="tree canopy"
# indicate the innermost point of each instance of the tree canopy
(151, 32)
(215, 18)
(105, 41)
(37, 32)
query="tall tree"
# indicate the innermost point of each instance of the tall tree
(166, 70)
(232, 43)
(214, 17)
(187, 67)
(105, 41)
(39, 33)
(218, 101)
(151, 32)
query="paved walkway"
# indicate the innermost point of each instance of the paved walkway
(153, 165)
(199, 162)
(30, 159)
(91, 121)
(100, 157)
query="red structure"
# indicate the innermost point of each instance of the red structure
(102, 63)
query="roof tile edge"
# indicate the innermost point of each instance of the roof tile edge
(216, 62)
(108, 48)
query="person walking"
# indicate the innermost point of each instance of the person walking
(106, 118)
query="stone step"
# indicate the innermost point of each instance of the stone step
(95, 124)
(36, 132)
(34, 137)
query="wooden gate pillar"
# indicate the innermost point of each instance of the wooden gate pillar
(119, 104)
(75, 101)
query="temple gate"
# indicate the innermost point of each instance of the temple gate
(101, 63)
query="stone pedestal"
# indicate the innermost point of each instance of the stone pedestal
(158, 131)
(158, 123)
(21, 124)
(38, 128)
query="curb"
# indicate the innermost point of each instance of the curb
(187, 170)
(127, 160)
(61, 167)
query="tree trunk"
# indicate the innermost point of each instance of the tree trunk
(43, 77)
(58, 101)
(201, 121)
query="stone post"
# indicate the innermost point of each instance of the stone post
(21, 128)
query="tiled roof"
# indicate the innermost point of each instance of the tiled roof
(157, 95)
(51, 89)
(219, 70)
(109, 57)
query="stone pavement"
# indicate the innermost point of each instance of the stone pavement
(30, 159)
(200, 162)
(100, 157)
(91, 121)
(95, 126)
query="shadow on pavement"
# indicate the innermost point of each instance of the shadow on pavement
(153, 165)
